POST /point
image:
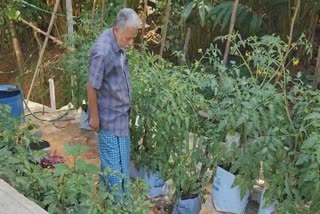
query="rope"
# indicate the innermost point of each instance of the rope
(43, 10)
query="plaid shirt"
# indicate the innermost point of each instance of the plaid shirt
(109, 75)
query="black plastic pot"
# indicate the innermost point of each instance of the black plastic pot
(41, 145)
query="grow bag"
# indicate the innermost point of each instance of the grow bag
(41, 145)
(136, 172)
(190, 205)
(11, 95)
(84, 118)
(262, 208)
(224, 197)
(155, 182)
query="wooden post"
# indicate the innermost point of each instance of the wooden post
(144, 20)
(16, 45)
(232, 21)
(165, 27)
(43, 47)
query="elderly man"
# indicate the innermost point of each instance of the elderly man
(109, 95)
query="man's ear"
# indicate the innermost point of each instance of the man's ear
(116, 30)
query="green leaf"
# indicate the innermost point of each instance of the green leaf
(61, 169)
(202, 14)
(255, 23)
(75, 150)
(1, 20)
(227, 17)
(188, 10)
(313, 115)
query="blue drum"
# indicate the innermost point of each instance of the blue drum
(11, 95)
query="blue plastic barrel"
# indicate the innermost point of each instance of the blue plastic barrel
(11, 95)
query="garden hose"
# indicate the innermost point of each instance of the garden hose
(41, 119)
(43, 10)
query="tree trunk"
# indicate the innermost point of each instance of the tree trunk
(16, 45)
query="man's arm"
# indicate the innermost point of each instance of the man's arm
(93, 108)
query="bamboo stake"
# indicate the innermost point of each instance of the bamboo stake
(232, 21)
(186, 43)
(102, 14)
(43, 47)
(144, 20)
(54, 39)
(69, 16)
(165, 27)
(292, 23)
(316, 72)
(282, 67)
(93, 10)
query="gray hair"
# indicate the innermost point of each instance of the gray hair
(127, 18)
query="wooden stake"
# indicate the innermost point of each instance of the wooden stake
(232, 21)
(165, 27)
(54, 39)
(43, 47)
(144, 20)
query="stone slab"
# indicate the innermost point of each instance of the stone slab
(13, 202)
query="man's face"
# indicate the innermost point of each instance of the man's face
(126, 38)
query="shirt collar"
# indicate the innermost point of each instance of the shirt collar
(114, 43)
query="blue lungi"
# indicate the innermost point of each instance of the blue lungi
(115, 154)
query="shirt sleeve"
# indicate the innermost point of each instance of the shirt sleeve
(97, 69)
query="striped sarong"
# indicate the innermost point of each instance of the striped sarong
(115, 154)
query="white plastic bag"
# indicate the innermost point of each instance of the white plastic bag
(225, 198)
